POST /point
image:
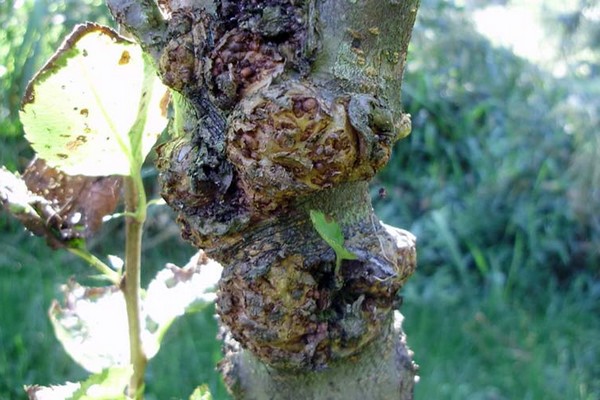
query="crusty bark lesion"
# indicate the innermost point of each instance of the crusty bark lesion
(264, 129)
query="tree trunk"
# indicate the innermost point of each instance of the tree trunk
(283, 107)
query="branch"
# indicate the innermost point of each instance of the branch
(95, 262)
(135, 203)
(143, 19)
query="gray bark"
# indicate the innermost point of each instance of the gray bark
(383, 370)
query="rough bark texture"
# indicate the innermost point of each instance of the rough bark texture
(383, 370)
(282, 107)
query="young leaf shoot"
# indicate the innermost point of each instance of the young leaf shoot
(331, 232)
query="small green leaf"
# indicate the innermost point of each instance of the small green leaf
(201, 393)
(96, 108)
(331, 232)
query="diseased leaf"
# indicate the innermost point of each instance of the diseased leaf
(175, 291)
(108, 384)
(92, 323)
(96, 107)
(81, 202)
(58, 392)
(201, 393)
(92, 326)
(331, 232)
(64, 209)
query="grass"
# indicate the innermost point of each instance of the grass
(479, 346)
(29, 279)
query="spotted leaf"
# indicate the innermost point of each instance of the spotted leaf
(96, 108)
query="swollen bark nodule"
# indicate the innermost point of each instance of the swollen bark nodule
(282, 107)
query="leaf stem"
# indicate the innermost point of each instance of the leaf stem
(135, 209)
(95, 262)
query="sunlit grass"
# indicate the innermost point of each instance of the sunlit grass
(474, 345)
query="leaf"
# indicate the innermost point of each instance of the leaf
(80, 202)
(201, 393)
(59, 392)
(331, 232)
(108, 384)
(19, 201)
(64, 209)
(92, 323)
(175, 291)
(92, 326)
(96, 108)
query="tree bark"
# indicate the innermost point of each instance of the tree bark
(382, 370)
(282, 107)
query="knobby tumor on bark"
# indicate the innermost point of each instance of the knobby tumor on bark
(282, 107)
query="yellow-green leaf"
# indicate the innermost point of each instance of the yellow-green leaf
(96, 108)
(331, 232)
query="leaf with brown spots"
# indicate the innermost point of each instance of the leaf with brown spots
(97, 107)
(64, 209)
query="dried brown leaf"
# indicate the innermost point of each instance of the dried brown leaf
(62, 208)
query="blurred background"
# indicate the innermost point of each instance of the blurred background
(500, 181)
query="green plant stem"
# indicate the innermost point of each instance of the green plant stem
(135, 208)
(95, 262)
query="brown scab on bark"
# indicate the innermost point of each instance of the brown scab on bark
(199, 184)
(241, 63)
(257, 141)
(294, 139)
(288, 25)
(283, 305)
(182, 61)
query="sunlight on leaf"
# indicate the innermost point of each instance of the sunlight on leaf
(59, 392)
(175, 291)
(18, 200)
(92, 322)
(108, 384)
(80, 110)
(116, 262)
(92, 326)
(201, 393)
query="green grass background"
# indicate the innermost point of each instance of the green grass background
(500, 181)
